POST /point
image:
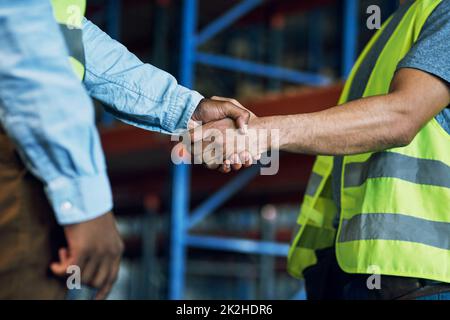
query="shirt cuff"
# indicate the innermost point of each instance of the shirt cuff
(430, 68)
(81, 199)
(180, 112)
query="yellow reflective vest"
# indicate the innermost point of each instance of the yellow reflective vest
(394, 205)
(69, 15)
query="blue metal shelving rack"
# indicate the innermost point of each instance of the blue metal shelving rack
(182, 220)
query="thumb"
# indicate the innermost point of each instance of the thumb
(240, 116)
(242, 123)
(59, 268)
(236, 111)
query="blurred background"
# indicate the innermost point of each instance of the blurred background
(196, 234)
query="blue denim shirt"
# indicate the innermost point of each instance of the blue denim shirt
(50, 117)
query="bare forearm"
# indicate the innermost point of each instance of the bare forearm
(370, 124)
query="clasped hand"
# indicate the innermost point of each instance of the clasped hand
(228, 142)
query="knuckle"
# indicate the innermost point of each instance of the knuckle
(95, 251)
(111, 249)
(114, 278)
(113, 252)
(84, 251)
(117, 249)
(99, 250)
(96, 284)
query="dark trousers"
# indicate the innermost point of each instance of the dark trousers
(29, 235)
(326, 281)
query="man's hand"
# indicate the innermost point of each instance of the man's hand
(219, 144)
(96, 247)
(218, 108)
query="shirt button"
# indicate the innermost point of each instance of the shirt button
(67, 205)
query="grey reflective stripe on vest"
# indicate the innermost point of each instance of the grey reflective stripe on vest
(359, 84)
(313, 184)
(389, 226)
(74, 42)
(396, 165)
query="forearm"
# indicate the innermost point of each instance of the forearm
(45, 110)
(135, 92)
(364, 125)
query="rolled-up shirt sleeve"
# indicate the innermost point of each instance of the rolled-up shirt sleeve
(135, 92)
(431, 52)
(47, 113)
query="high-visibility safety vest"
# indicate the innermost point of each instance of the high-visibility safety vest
(394, 215)
(69, 15)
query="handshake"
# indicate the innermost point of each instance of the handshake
(224, 135)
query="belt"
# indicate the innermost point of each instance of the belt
(404, 288)
(426, 290)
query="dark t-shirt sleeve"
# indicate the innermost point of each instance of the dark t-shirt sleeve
(431, 52)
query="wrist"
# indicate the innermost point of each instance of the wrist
(278, 130)
(266, 133)
(196, 115)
